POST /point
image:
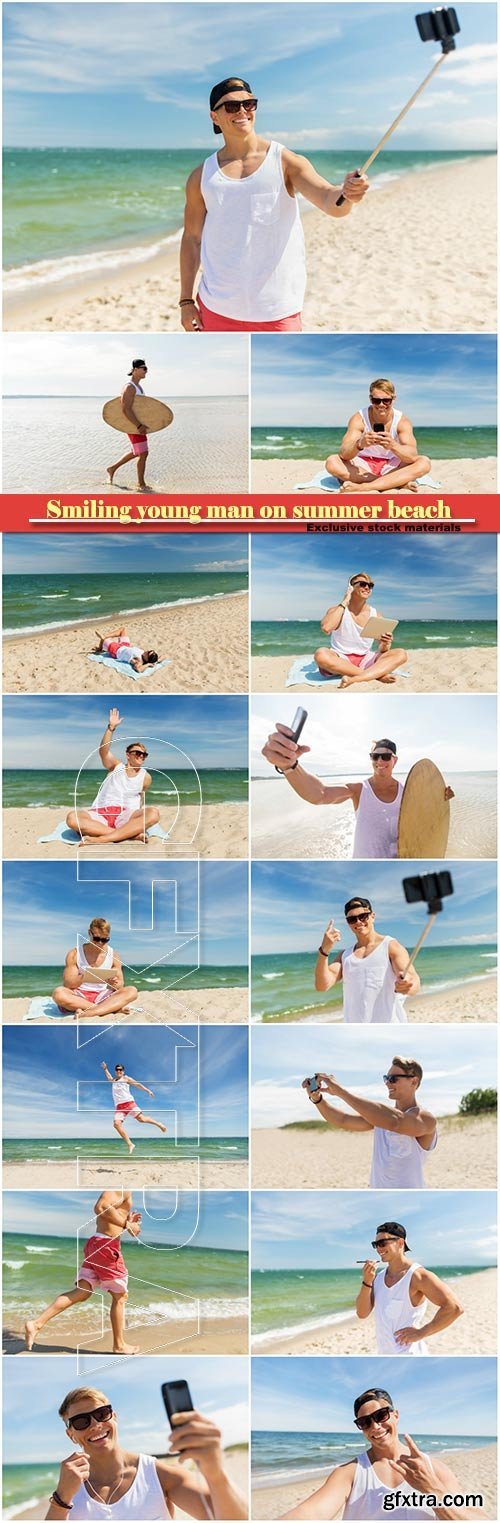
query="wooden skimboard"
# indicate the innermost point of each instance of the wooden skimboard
(155, 415)
(424, 819)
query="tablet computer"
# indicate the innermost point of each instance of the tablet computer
(377, 625)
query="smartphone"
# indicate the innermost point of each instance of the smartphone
(176, 1397)
(312, 1084)
(298, 723)
(378, 428)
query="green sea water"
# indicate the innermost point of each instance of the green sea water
(294, 1300)
(296, 637)
(110, 1148)
(283, 982)
(288, 443)
(30, 980)
(51, 601)
(29, 788)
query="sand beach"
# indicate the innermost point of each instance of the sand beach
(473, 1333)
(454, 475)
(441, 227)
(217, 1335)
(181, 1174)
(235, 1462)
(222, 833)
(475, 1470)
(427, 671)
(476, 1001)
(196, 639)
(224, 1006)
(325, 1159)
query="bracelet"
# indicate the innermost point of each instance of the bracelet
(188, 301)
(323, 954)
(287, 769)
(317, 1102)
(59, 1501)
(367, 1286)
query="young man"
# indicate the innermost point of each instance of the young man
(93, 982)
(379, 449)
(358, 1488)
(125, 1105)
(93, 1483)
(119, 646)
(399, 1295)
(376, 801)
(103, 1268)
(242, 224)
(117, 813)
(138, 437)
(402, 1135)
(373, 973)
(349, 654)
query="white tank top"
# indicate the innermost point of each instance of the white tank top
(376, 451)
(252, 247)
(137, 388)
(84, 966)
(394, 1310)
(347, 640)
(366, 1498)
(121, 1091)
(398, 1161)
(376, 828)
(144, 1499)
(117, 788)
(369, 987)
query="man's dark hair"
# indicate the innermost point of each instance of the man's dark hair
(358, 904)
(151, 656)
(221, 89)
(395, 1229)
(138, 365)
(374, 1394)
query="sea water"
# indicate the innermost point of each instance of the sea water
(283, 982)
(29, 788)
(40, 602)
(294, 1300)
(297, 637)
(300, 443)
(26, 981)
(297, 1456)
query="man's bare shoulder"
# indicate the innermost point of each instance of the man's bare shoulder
(193, 182)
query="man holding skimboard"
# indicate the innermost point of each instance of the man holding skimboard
(403, 1132)
(374, 972)
(242, 224)
(376, 801)
(138, 437)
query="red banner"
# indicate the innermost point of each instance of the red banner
(407, 512)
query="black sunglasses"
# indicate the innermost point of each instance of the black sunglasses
(100, 939)
(134, 752)
(393, 1078)
(82, 1420)
(382, 756)
(382, 401)
(233, 106)
(380, 1416)
(363, 916)
(362, 583)
(380, 1242)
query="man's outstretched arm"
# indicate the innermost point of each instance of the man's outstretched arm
(306, 181)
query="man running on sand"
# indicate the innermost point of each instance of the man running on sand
(391, 1467)
(349, 654)
(379, 449)
(117, 813)
(105, 1480)
(103, 1268)
(401, 1136)
(125, 1105)
(373, 973)
(119, 646)
(399, 1296)
(242, 224)
(93, 982)
(138, 437)
(376, 801)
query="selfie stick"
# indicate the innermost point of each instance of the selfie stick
(447, 45)
(434, 887)
(420, 941)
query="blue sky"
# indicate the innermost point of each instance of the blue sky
(306, 1230)
(97, 365)
(458, 734)
(145, 80)
(222, 1216)
(317, 1395)
(418, 578)
(24, 555)
(179, 732)
(293, 901)
(70, 1096)
(35, 1391)
(48, 907)
(318, 381)
(282, 1057)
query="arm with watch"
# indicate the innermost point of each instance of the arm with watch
(327, 974)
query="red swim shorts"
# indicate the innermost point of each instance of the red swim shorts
(103, 1264)
(214, 322)
(139, 443)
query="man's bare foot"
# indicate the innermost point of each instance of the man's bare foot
(110, 471)
(128, 1348)
(357, 486)
(131, 1147)
(30, 1331)
(162, 1128)
(385, 679)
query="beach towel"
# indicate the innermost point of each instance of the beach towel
(126, 668)
(62, 832)
(323, 482)
(43, 1005)
(304, 669)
